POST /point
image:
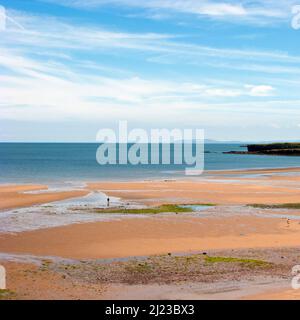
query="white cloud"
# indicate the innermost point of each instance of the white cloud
(58, 36)
(47, 92)
(260, 91)
(41, 80)
(221, 9)
(46, 31)
(245, 10)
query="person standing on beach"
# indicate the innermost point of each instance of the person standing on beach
(108, 202)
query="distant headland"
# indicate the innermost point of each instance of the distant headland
(276, 149)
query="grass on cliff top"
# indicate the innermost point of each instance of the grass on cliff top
(248, 262)
(276, 145)
(276, 206)
(154, 210)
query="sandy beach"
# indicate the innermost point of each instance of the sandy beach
(15, 196)
(228, 192)
(149, 150)
(228, 227)
(153, 235)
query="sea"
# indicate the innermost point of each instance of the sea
(76, 162)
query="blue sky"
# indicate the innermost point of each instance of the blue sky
(69, 68)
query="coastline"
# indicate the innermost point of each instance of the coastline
(22, 195)
(229, 227)
(255, 170)
(16, 196)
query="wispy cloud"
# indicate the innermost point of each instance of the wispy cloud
(86, 90)
(57, 69)
(260, 91)
(47, 92)
(252, 11)
(48, 32)
(35, 84)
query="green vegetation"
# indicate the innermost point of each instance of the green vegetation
(71, 266)
(154, 210)
(6, 294)
(288, 149)
(272, 149)
(170, 269)
(272, 146)
(199, 204)
(45, 264)
(276, 206)
(248, 262)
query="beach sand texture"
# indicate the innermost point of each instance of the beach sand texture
(231, 225)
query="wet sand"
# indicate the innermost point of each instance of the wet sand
(239, 191)
(228, 226)
(13, 196)
(153, 235)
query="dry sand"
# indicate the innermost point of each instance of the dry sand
(279, 294)
(162, 234)
(30, 282)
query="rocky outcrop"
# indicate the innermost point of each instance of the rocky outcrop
(276, 149)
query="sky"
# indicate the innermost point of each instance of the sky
(69, 68)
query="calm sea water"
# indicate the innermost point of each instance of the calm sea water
(73, 162)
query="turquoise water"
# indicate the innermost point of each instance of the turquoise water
(67, 162)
